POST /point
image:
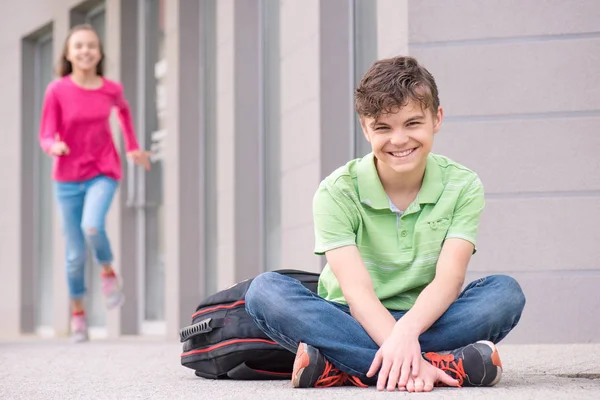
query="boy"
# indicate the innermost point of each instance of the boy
(398, 228)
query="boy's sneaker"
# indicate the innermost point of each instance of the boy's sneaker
(111, 289)
(79, 331)
(477, 364)
(311, 369)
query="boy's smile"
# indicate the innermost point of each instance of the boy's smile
(401, 140)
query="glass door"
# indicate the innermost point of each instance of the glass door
(45, 199)
(365, 53)
(271, 139)
(95, 304)
(151, 133)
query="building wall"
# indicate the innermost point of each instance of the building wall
(19, 21)
(225, 136)
(519, 88)
(300, 132)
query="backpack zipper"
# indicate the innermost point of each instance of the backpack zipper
(227, 343)
(221, 307)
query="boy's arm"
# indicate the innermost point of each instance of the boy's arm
(452, 263)
(336, 221)
(445, 288)
(399, 355)
(350, 271)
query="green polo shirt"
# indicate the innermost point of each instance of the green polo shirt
(399, 249)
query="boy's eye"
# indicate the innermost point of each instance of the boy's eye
(413, 123)
(381, 128)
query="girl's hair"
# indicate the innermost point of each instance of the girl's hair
(65, 67)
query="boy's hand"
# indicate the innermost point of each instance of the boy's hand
(428, 377)
(399, 355)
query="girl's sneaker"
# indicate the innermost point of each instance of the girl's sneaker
(111, 289)
(79, 331)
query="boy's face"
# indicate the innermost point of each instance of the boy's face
(403, 139)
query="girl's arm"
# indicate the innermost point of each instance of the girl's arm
(131, 143)
(50, 120)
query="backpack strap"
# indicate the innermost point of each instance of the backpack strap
(200, 328)
(244, 372)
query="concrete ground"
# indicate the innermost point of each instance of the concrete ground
(134, 368)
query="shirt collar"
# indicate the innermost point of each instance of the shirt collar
(432, 186)
(371, 192)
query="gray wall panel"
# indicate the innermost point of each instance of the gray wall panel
(561, 307)
(300, 126)
(336, 82)
(224, 142)
(11, 235)
(298, 193)
(539, 234)
(247, 152)
(298, 187)
(444, 20)
(527, 155)
(520, 78)
(300, 141)
(520, 87)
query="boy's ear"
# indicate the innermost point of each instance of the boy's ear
(437, 119)
(363, 126)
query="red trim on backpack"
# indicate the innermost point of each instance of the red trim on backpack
(227, 343)
(273, 373)
(237, 303)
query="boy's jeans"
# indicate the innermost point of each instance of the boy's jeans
(289, 313)
(83, 207)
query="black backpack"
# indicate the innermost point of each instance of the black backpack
(223, 341)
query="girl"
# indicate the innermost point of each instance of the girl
(75, 130)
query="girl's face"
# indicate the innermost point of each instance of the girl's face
(83, 51)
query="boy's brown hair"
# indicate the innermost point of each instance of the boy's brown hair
(390, 84)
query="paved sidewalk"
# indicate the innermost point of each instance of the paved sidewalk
(134, 368)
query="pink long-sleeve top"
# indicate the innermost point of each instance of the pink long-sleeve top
(80, 118)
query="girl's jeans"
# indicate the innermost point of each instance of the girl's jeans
(83, 207)
(290, 313)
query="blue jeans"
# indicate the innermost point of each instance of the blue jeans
(83, 207)
(289, 313)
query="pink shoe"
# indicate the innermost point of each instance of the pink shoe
(79, 331)
(111, 289)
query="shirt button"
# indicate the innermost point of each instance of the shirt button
(403, 233)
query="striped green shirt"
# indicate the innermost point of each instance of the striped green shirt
(400, 250)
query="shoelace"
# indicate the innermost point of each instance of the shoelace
(334, 377)
(447, 362)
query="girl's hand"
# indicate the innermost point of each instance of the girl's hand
(140, 157)
(59, 149)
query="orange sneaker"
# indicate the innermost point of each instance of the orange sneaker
(311, 369)
(477, 364)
